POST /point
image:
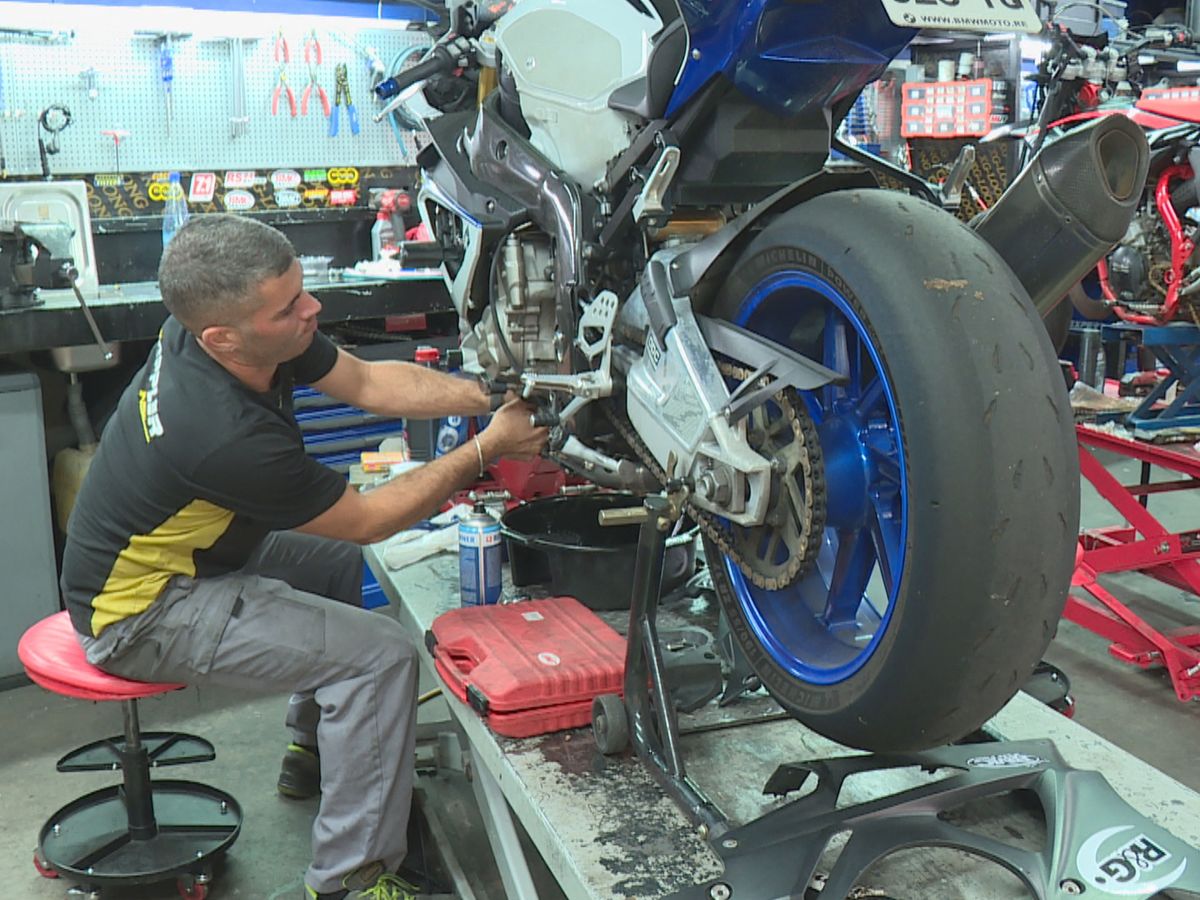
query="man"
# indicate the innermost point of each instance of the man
(205, 546)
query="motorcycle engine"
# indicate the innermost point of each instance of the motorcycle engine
(517, 332)
(1128, 273)
(1131, 261)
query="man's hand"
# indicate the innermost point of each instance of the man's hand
(510, 434)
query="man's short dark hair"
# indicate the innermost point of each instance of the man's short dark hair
(211, 270)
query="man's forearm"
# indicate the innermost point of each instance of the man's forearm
(407, 499)
(409, 390)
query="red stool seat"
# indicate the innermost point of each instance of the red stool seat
(53, 657)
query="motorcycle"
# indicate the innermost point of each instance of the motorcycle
(642, 230)
(1151, 275)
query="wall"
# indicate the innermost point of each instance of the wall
(106, 70)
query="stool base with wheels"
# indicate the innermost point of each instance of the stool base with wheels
(138, 831)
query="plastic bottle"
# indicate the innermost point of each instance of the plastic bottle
(383, 233)
(175, 209)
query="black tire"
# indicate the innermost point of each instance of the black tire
(992, 476)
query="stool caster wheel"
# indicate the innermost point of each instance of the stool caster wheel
(610, 726)
(84, 893)
(194, 886)
(43, 868)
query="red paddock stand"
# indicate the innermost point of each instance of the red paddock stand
(1142, 545)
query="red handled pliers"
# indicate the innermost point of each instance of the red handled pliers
(312, 48)
(312, 56)
(282, 87)
(282, 56)
(281, 48)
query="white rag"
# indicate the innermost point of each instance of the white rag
(407, 547)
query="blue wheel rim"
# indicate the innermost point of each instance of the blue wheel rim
(824, 628)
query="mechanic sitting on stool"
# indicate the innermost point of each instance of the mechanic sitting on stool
(205, 546)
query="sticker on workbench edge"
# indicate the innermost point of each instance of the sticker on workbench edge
(343, 197)
(285, 178)
(287, 199)
(1126, 867)
(547, 658)
(1006, 761)
(203, 187)
(235, 201)
(342, 176)
(240, 179)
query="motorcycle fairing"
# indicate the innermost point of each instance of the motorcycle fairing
(790, 57)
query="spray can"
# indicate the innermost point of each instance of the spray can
(479, 558)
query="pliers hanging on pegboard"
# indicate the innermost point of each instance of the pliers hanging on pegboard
(312, 56)
(282, 56)
(341, 97)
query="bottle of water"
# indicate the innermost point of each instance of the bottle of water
(175, 210)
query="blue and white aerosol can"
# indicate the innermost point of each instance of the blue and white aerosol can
(479, 558)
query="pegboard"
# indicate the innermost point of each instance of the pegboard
(112, 82)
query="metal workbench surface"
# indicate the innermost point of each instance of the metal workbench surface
(126, 312)
(606, 829)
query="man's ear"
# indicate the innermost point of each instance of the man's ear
(220, 339)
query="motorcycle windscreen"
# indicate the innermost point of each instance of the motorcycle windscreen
(790, 57)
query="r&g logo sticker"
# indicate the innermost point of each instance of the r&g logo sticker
(1123, 866)
(1006, 761)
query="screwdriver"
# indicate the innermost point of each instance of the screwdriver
(166, 68)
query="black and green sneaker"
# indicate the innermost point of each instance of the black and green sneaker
(300, 774)
(369, 882)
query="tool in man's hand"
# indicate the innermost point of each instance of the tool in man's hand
(312, 56)
(342, 98)
(282, 56)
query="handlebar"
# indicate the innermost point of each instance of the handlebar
(442, 59)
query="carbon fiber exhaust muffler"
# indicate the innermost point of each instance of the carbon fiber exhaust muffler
(1072, 203)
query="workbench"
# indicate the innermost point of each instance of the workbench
(606, 829)
(134, 311)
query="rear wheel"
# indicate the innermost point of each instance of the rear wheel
(951, 485)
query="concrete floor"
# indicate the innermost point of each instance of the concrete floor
(1134, 709)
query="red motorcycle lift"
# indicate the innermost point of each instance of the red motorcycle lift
(1143, 545)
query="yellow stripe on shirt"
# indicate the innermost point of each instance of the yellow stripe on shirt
(148, 561)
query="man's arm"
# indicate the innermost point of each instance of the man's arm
(393, 388)
(415, 495)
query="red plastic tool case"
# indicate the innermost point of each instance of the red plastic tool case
(528, 668)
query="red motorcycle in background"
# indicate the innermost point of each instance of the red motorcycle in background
(1153, 274)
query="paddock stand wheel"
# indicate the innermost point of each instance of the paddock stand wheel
(610, 724)
(43, 868)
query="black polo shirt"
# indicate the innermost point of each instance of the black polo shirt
(193, 470)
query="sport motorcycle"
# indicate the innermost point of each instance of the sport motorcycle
(1151, 276)
(643, 229)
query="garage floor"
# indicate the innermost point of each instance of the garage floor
(1134, 709)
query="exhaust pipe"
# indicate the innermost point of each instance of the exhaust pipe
(1070, 206)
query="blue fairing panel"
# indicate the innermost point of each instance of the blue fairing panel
(789, 55)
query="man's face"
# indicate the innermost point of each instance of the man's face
(284, 322)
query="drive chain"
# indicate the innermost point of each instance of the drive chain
(808, 466)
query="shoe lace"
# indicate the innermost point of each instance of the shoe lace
(390, 887)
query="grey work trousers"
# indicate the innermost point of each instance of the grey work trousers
(273, 625)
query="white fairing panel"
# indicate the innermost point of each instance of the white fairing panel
(567, 57)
